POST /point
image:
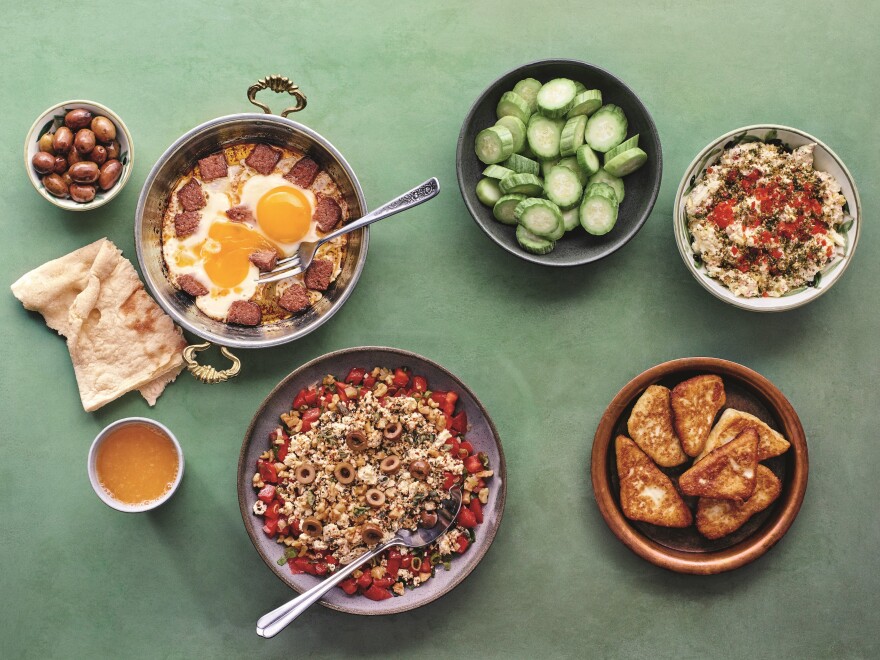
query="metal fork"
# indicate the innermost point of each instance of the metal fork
(297, 263)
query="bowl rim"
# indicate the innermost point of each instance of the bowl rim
(255, 342)
(536, 258)
(726, 295)
(109, 195)
(750, 548)
(93, 472)
(404, 355)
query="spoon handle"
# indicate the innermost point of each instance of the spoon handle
(277, 620)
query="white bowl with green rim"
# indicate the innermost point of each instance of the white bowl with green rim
(824, 160)
(50, 120)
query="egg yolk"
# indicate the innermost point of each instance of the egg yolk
(227, 252)
(284, 214)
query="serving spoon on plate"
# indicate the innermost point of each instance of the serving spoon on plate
(277, 620)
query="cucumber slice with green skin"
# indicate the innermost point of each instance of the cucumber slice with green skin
(496, 171)
(522, 165)
(580, 87)
(606, 128)
(528, 90)
(488, 191)
(493, 144)
(547, 165)
(522, 184)
(603, 177)
(541, 217)
(526, 151)
(505, 209)
(586, 103)
(531, 243)
(571, 219)
(630, 143)
(572, 164)
(555, 97)
(627, 162)
(601, 190)
(588, 160)
(517, 129)
(513, 105)
(572, 135)
(598, 214)
(543, 135)
(563, 188)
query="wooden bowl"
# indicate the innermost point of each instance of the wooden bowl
(685, 550)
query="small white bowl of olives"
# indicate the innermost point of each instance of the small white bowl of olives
(78, 155)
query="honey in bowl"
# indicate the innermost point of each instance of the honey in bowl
(136, 463)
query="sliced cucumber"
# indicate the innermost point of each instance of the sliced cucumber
(572, 164)
(571, 219)
(598, 213)
(572, 135)
(627, 162)
(563, 187)
(522, 184)
(606, 128)
(543, 135)
(527, 151)
(528, 90)
(603, 177)
(522, 165)
(580, 87)
(601, 190)
(496, 171)
(505, 207)
(547, 165)
(586, 103)
(588, 160)
(541, 217)
(630, 143)
(555, 97)
(517, 129)
(531, 243)
(513, 105)
(493, 144)
(488, 191)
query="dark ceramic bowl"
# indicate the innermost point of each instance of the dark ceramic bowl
(576, 247)
(482, 435)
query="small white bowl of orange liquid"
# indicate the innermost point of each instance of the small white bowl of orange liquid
(135, 464)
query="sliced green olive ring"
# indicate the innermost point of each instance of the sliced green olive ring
(393, 431)
(390, 465)
(371, 534)
(429, 518)
(375, 497)
(305, 473)
(344, 473)
(312, 526)
(356, 441)
(420, 469)
(416, 564)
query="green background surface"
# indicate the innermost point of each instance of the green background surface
(545, 349)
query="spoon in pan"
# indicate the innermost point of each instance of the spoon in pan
(275, 621)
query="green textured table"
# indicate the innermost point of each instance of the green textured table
(545, 349)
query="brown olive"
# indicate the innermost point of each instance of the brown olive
(67, 180)
(77, 119)
(371, 534)
(390, 464)
(43, 162)
(60, 165)
(393, 431)
(45, 143)
(113, 150)
(104, 129)
(84, 141)
(356, 441)
(375, 497)
(74, 157)
(305, 473)
(110, 172)
(98, 155)
(84, 171)
(344, 473)
(429, 518)
(312, 526)
(420, 469)
(82, 193)
(55, 185)
(63, 140)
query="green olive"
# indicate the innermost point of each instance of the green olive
(312, 526)
(371, 534)
(45, 143)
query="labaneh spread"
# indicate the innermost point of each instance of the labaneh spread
(763, 221)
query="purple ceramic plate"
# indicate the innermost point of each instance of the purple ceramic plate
(482, 435)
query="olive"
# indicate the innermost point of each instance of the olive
(393, 431)
(63, 140)
(60, 164)
(77, 119)
(84, 141)
(74, 157)
(43, 162)
(375, 497)
(104, 129)
(82, 192)
(371, 534)
(390, 465)
(84, 171)
(305, 473)
(110, 172)
(55, 185)
(420, 469)
(98, 155)
(113, 150)
(344, 473)
(45, 142)
(429, 518)
(356, 441)
(312, 526)
(67, 180)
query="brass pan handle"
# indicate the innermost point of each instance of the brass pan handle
(205, 372)
(277, 84)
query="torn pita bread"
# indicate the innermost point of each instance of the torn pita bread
(119, 339)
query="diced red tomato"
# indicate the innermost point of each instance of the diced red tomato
(311, 396)
(419, 384)
(294, 568)
(267, 493)
(273, 509)
(376, 593)
(406, 562)
(463, 544)
(349, 586)
(340, 391)
(271, 527)
(365, 580)
(300, 399)
(446, 400)
(401, 378)
(459, 422)
(331, 560)
(468, 447)
(320, 568)
(473, 464)
(356, 376)
(308, 418)
(477, 510)
(294, 528)
(454, 446)
(281, 450)
(369, 381)
(384, 583)
(392, 568)
(299, 565)
(466, 518)
(449, 480)
(268, 473)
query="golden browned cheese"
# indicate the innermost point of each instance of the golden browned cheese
(650, 425)
(733, 422)
(718, 518)
(726, 473)
(695, 402)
